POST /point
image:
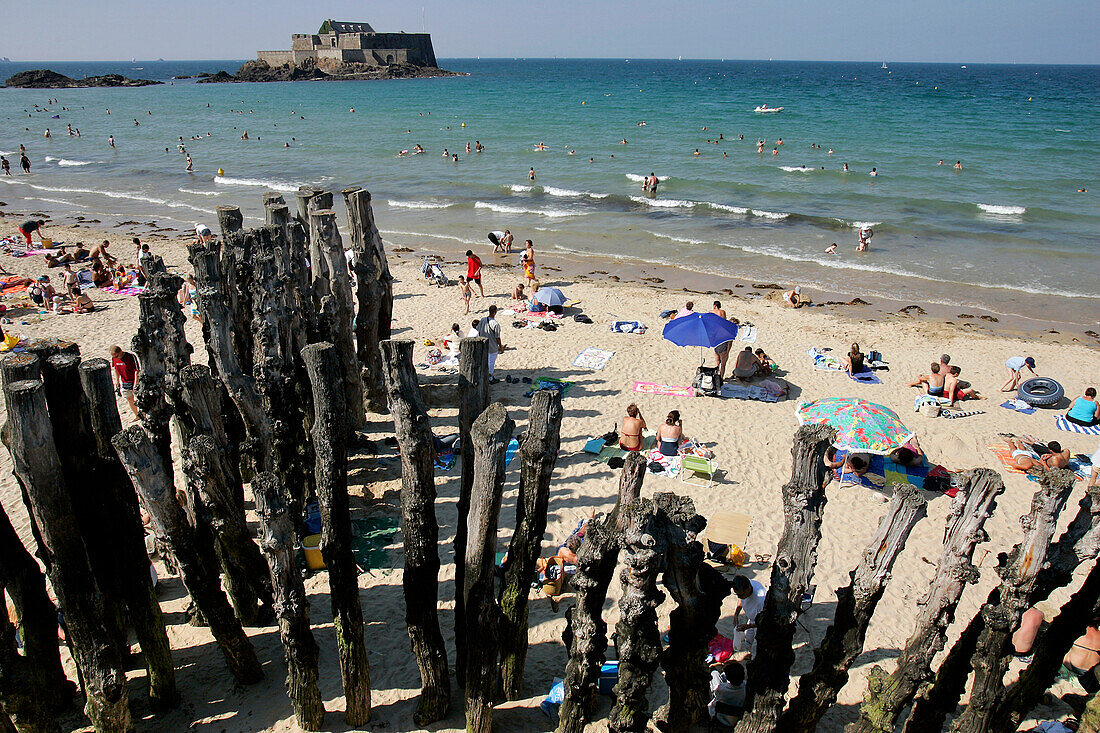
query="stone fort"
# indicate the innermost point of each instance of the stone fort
(355, 43)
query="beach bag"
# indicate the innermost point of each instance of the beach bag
(930, 409)
(434, 356)
(707, 381)
(609, 675)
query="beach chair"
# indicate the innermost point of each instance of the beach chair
(729, 529)
(698, 466)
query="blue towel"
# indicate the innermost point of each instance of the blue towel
(866, 378)
(1011, 405)
(510, 451)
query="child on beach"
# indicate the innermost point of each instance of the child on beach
(1015, 366)
(465, 292)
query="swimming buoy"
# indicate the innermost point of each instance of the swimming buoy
(463, 124)
(1041, 392)
(221, 172)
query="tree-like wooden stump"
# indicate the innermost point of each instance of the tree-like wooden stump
(153, 483)
(490, 435)
(888, 694)
(318, 266)
(596, 561)
(419, 529)
(331, 475)
(280, 544)
(34, 456)
(25, 703)
(370, 292)
(856, 602)
(636, 634)
(539, 453)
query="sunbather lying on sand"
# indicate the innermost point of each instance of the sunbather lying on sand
(1024, 456)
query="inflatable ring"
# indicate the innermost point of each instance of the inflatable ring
(1041, 392)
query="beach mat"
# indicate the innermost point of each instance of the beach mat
(550, 383)
(1004, 455)
(865, 378)
(735, 391)
(1062, 423)
(1019, 406)
(747, 333)
(663, 389)
(605, 452)
(370, 537)
(124, 291)
(593, 358)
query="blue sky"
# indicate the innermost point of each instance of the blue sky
(975, 31)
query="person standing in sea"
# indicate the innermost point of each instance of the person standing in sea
(5, 165)
(25, 162)
(528, 260)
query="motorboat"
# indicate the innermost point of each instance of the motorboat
(765, 109)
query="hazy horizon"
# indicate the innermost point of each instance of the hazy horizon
(936, 31)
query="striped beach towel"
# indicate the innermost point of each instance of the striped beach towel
(952, 414)
(1062, 423)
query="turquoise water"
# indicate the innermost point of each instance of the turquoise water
(1010, 231)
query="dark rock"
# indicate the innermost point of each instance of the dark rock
(653, 279)
(910, 310)
(858, 301)
(767, 286)
(991, 319)
(964, 315)
(221, 76)
(260, 71)
(47, 79)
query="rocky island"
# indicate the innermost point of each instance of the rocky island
(258, 70)
(47, 79)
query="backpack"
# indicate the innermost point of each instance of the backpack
(707, 381)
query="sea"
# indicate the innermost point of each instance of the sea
(1015, 231)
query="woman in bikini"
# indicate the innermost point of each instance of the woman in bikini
(529, 264)
(630, 434)
(670, 434)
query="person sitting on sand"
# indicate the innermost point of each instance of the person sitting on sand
(955, 389)
(1015, 366)
(452, 340)
(767, 366)
(747, 365)
(909, 454)
(630, 433)
(854, 361)
(670, 434)
(1025, 457)
(931, 383)
(101, 276)
(793, 298)
(1085, 411)
(857, 464)
(728, 691)
(79, 254)
(81, 302)
(518, 294)
(687, 310)
(1083, 658)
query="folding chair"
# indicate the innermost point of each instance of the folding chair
(698, 466)
(729, 528)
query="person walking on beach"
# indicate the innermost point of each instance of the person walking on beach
(1015, 367)
(473, 272)
(528, 260)
(464, 292)
(5, 165)
(506, 241)
(124, 371)
(489, 328)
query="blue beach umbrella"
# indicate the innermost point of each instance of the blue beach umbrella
(707, 330)
(551, 296)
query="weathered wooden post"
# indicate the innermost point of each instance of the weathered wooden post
(793, 570)
(151, 480)
(419, 529)
(539, 453)
(230, 220)
(318, 267)
(473, 398)
(370, 291)
(34, 456)
(698, 590)
(23, 697)
(636, 635)
(280, 543)
(490, 435)
(331, 249)
(596, 561)
(331, 476)
(856, 602)
(888, 694)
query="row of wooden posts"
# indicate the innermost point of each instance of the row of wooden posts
(296, 358)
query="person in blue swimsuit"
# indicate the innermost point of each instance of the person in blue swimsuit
(1085, 410)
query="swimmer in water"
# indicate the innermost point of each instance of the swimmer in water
(623, 141)
(531, 174)
(190, 166)
(845, 169)
(775, 150)
(245, 135)
(760, 147)
(865, 234)
(454, 158)
(874, 171)
(591, 160)
(830, 152)
(697, 153)
(467, 148)
(111, 140)
(940, 163)
(779, 141)
(540, 146)
(831, 249)
(958, 165)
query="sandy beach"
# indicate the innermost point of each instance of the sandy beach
(751, 440)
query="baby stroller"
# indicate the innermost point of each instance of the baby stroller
(433, 273)
(708, 382)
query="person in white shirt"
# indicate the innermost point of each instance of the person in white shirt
(728, 692)
(490, 329)
(472, 333)
(750, 602)
(687, 310)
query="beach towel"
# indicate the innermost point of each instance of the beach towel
(670, 465)
(1019, 406)
(736, 391)
(663, 389)
(510, 451)
(865, 378)
(952, 414)
(550, 383)
(628, 327)
(604, 452)
(593, 358)
(370, 537)
(1062, 423)
(1004, 455)
(124, 291)
(746, 332)
(823, 362)
(445, 461)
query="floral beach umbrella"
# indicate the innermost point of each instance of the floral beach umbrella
(861, 426)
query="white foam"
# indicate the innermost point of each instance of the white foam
(502, 209)
(683, 240)
(1002, 210)
(424, 235)
(796, 169)
(728, 209)
(66, 162)
(664, 203)
(769, 214)
(119, 195)
(199, 193)
(258, 183)
(520, 188)
(551, 191)
(418, 204)
(641, 179)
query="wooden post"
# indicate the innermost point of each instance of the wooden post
(302, 198)
(698, 590)
(230, 220)
(152, 482)
(473, 398)
(318, 267)
(331, 475)
(888, 694)
(206, 406)
(636, 635)
(15, 368)
(419, 529)
(370, 293)
(291, 604)
(124, 534)
(23, 697)
(596, 561)
(1079, 543)
(856, 602)
(236, 269)
(490, 435)
(795, 557)
(331, 249)
(36, 462)
(1018, 571)
(539, 453)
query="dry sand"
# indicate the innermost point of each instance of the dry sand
(751, 439)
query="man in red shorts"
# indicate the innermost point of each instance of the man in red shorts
(125, 370)
(473, 270)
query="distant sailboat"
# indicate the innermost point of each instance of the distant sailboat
(884, 66)
(133, 61)
(680, 58)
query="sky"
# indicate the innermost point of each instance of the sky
(965, 31)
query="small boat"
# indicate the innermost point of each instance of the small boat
(765, 109)
(884, 66)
